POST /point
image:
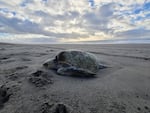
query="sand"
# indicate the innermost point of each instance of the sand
(123, 87)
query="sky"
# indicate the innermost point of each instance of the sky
(74, 21)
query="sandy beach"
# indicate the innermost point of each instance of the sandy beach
(27, 87)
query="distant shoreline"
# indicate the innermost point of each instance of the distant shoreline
(73, 43)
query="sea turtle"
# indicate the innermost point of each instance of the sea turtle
(74, 62)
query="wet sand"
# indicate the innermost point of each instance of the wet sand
(123, 87)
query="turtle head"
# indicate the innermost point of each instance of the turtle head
(50, 64)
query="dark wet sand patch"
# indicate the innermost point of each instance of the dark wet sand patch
(4, 96)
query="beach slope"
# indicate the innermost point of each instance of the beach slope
(123, 87)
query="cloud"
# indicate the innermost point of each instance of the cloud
(133, 34)
(100, 18)
(19, 26)
(66, 20)
(27, 38)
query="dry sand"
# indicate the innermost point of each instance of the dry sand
(26, 87)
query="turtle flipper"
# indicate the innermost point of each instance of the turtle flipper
(102, 66)
(73, 71)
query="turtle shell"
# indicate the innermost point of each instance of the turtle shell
(78, 59)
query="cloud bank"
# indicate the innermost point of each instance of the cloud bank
(68, 21)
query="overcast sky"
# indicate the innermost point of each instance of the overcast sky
(73, 21)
